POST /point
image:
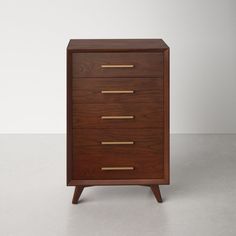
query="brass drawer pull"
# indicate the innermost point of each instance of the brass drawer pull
(116, 117)
(111, 91)
(118, 168)
(117, 66)
(117, 143)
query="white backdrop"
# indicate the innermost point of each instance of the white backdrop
(34, 36)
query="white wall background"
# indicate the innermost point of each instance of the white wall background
(200, 33)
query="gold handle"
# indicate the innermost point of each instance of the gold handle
(117, 143)
(116, 117)
(118, 168)
(111, 91)
(117, 66)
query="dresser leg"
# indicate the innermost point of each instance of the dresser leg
(156, 191)
(78, 190)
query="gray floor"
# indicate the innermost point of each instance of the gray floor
(201, 199)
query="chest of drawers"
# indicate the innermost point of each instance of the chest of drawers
(117, 113)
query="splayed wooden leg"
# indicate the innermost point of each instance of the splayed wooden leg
(156, 191)
(78, 190)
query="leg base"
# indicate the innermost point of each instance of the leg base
(156, 191)
(79, 189)
(77, 193)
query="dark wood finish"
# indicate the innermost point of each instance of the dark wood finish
(90, 155)
(146, 90)
(69, 118)
(107, 182)
(148, 115)
(117, 45)
(142, 137)
(145, 64)
(149, 155)
(156, 191)
(88, 167)
(146, 154)
(166, 119)
(78, 191)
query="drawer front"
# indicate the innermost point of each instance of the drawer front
(90, 168)
(117, 64)
(146, 115)
(127, 153)
(117, 90)
(99, 142)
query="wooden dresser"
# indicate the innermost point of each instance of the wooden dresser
(117, 113)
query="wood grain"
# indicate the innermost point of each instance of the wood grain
(138, 181)
(87, 142)
(69, 123)
(145, 64)
(88, 167)
(146, 90)
(148, 115)
(119, 45)
(166, 116)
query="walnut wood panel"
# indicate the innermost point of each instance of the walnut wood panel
(88, 167)
(145, 142)
(130, 45)
(145, 90)
(138, 181)
(166, 115)
(69, 140)
(148, 115)
(145, 64)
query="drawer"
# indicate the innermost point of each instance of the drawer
(117, 64)
(117, 90)
(144, 158)
(121, 142)
(141, 115)
(89, 168)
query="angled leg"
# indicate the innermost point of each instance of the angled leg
(156, 191)
(78, 190)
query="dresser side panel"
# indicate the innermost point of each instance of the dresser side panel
(69, 117)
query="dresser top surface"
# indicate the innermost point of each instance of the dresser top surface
(117, 44)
